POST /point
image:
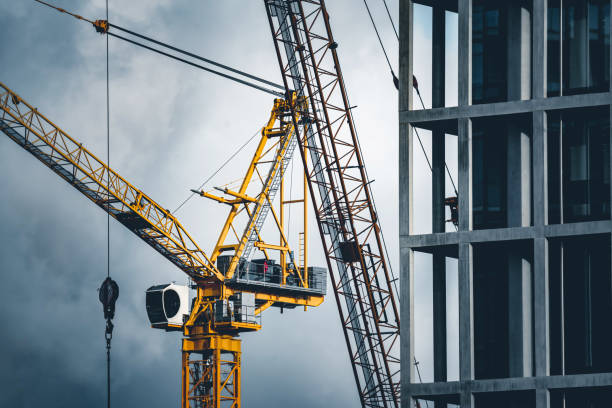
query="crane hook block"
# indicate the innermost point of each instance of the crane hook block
(108, 293)
(101, 26)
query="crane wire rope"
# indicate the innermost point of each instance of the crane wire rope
(396, 82)
(162, 44)
(391, 19)
(218, 170)
(209, 61)
(416, 88)
(108, 333)
(212, 71)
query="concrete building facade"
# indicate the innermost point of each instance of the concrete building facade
(533, 236)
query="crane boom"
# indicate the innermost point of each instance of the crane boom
(106, 188)
(364, 286)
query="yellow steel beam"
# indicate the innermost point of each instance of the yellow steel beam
(101, 184)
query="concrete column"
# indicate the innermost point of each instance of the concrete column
(541, 317)
(465, 125)
(405, 204)
(438, 136)
(540, 30)
(466, 321)
(519, 51)
(540, 169)
(438, 62)
(465, 52)
(542, 398)
(465, 174)
(520, 311)
(439, 318)
(518, 176)
(438, 195)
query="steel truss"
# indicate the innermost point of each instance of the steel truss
(364, 286)
(102, 185)
(211, 372)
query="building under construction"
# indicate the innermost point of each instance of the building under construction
(533, 203)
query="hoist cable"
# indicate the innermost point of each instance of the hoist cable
(108, 338)
(218, 170)
(445, 165)
(101, 29)
(226, 67)
(232, 78)
(61, 10)
(394, 77)
(107, 156)
(379, 39)
(416, 364)
(391, 19)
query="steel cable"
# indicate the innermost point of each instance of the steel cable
(218, 170)
(232, 78)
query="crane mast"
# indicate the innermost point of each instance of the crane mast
(364, 286)
(232, 288)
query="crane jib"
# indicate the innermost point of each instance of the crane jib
(364, 286)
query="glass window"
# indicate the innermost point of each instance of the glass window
(554, 47)
(491, 358)
(489, 175)
(588, 305)
(579, 165)
(489, 53)
(578, 46)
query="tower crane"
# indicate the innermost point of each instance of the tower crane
(232, 290)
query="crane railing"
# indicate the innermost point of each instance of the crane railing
(97, 181)
(364, 286)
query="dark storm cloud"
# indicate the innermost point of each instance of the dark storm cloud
(171, 126)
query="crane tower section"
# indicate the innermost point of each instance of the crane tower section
(364, 285)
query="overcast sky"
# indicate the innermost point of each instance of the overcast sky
(171, 127)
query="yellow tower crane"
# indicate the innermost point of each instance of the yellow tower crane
(316, 112)
(232, 290)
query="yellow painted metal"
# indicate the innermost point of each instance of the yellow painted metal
(282, 248)
(203, 384)
(104, 186)
(211, 372)
(284, 131)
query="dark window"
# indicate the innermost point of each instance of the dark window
(554, 47)
(579, 165)
(598, 397)
(489, 52)
(508, 399)
(578, 46)
(155, 310)
(490, 312)
(580, 305)
(172, 303)
(489, 175)
(587, 305)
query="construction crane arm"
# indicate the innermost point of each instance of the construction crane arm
(106, 188)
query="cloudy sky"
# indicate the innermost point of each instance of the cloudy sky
(171, 127)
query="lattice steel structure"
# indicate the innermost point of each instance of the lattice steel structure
(364, 286)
